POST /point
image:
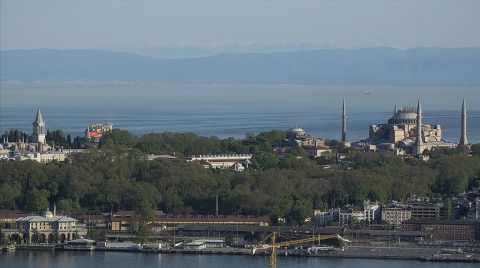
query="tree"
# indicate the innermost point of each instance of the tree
(3, 238)
(38, 200)
(265, 160)
(301, 210)
(69, 205)
(475, 149)
(143, 233)
(116, 137)
(448, 209)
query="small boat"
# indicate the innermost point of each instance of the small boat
(366, 92)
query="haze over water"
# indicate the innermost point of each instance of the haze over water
(231, 110)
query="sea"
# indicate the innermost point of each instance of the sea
(231, 110)
(41, 259)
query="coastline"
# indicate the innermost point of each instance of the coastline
(366, 253)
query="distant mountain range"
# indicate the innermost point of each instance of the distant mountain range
(420, 66)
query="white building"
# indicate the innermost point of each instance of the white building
(356, 213)
(324, 218)
(395, 214)
(204, 243)
(371, 211)
(47, 228)
(236, 162)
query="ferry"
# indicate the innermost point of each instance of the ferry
(81, 244)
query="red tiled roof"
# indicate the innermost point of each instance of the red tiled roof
(13, 214)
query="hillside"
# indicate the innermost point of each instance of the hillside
(421, 66)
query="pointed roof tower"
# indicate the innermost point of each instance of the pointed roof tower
(39, 118)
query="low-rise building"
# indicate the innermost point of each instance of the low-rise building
(204, 243)
(371, 211)
(121, 221)
(325, 218)
(427, 211)
(395, 214)
(237, 162)
(446, 230)
(8, 217)
(194, 245)
(48, 228)
(354, 213)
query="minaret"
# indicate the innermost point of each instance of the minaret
(463, 137)
(344, 122)
(419, 141)
(38, 135)
(395, 109)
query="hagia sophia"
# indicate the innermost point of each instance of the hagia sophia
(398, 135)
(405, 133)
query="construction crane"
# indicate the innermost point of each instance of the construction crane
(274, 244)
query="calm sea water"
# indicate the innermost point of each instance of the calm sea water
(230, 110)
(40, 259)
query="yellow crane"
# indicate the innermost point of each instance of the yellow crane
(274, 244)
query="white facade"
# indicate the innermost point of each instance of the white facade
(371, 211)
(47, 227)
(236, 162)
(395, 215)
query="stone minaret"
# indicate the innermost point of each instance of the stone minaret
(344, 122)
(419, 147)
(463, 137)
(38, 135)
(395, 109)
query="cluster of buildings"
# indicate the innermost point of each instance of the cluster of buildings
(26, 227)
(297, 137)
(34, 148)
(405, 133)
(459, 215)
(464, 207)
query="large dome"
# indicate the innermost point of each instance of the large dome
(295, 133)
(297, 130)
(405, 116)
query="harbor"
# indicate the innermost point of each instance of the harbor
(357, 252)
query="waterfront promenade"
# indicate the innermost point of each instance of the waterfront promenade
(358, 252)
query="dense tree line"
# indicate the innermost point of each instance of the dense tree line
(191, 144)
(118, 176)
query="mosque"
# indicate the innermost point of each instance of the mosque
(297, 137)
(405, 133)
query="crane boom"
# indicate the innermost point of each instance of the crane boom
(274, 245)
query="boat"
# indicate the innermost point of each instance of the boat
(366, 92)
(81, 244)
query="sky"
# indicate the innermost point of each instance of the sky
(149, 26)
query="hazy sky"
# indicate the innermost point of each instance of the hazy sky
(130, 24)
